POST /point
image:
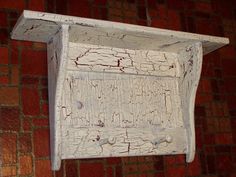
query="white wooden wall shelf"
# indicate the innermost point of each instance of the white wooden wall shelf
(118, 89)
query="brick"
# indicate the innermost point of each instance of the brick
(109, 172)
(228, 66)
(44, 82)
(129, 6)
(230, 85)
(161, 11)
(143, 159)
(131, 168)
(4, 80)
(217, 109)
(26, 124)
(133, 21)
(158, 163)
(40, 46)
(152, 13)
(128, 160)
(203, 162)
(194, 168)
(25, 165)
(130, 14)
(41, 142)
(175, 171)
(59, 8)
(8, 171)
(228, 52)
(38, 5)
(30, 81)
(210, 125)
(203, 7)
(203, 99)
(14, 55)
(113, 161)
(211, 164)
(224, 138)
(223, 149)
(25, 144)
(118, 171)
(234, 136)
(34, 62)
(231, 100)
(85, 169)
(201, 27)
(73, 8)
(22, 44)
(159, 174)
(174, 22)
(115, 12)
(172, 4)
(8, 148)
(142, 12)
(3, 55)
(43, 167)
(30, 101)
(71, 168)
(99, 13)
(45, 109)
(224, 125)
(3, 19)
(115, 19)
(4, 36)
(159, 23)
(145, 167)
(223, 9)
(132, 175)
(209, 139)
(224, 163)
(170, 160)
(14, 75)
(174, 159)
(206, 85)
(200, 111)
(9, 96)
(115, 4)
(39, 122)
(9, 118)
(12, 4)
(4, 70)
(100, 2)
(44, 93)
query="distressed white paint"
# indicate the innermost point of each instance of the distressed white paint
(118, 89)
(86, 57)
(57, 62)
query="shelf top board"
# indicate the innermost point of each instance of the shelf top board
(41, 26)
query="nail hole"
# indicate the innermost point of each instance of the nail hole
(79, 105)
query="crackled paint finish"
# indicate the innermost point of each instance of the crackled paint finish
(190, 59)
(118, 89)
(57, 61)
(84, 57)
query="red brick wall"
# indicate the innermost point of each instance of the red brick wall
(24, 131)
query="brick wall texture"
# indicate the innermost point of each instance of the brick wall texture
(24, 129)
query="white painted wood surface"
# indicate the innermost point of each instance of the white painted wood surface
(118, 89)
(57, 61)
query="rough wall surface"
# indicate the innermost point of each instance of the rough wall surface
(24, 130)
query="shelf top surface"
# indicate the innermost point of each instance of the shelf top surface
(41, 26)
